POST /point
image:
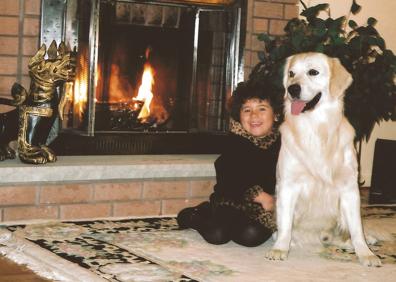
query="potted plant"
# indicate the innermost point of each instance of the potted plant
(371, 98)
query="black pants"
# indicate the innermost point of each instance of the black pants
(229, 224)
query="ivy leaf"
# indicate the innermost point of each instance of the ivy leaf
(318, 24)
(261, 56)
(264, 37)
(381, 43)
(320, 48)
(352, 24)
(339, 22)
(312, 12)
(356, 45)
(378, 41)
(389, 56)
(303, 4)
(339, 41)
(319, 32)
(296, 41)
(371, 21)
(355, 8)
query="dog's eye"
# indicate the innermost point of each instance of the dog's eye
(313, 72)
(291, 74)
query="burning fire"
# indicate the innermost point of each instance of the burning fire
(76, 93)
(148, 108)
(145, 93)
(80, 84)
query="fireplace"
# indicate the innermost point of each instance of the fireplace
(153, 77)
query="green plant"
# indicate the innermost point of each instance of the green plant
(371, 98)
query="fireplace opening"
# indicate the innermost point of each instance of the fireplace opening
(152, 76)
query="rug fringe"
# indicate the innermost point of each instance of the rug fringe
(42, 262)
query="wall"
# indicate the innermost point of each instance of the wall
(19, 39)
(101, 199)
(383, 11)
(265, 16)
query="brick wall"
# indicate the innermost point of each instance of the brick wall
(265, 16)
(101, 199)
(19, 39)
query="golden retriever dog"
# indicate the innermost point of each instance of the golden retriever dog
(317, 186)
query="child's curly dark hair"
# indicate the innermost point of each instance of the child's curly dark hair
(261, 90)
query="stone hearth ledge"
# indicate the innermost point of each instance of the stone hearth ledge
(120, 167)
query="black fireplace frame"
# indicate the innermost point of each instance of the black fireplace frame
(55, 26)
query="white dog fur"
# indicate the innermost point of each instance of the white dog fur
(317, 185)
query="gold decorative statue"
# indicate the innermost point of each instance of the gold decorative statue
(38, 108)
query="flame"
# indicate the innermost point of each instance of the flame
(80, 93)
(119, 85)
(145, 91)
(77, 93)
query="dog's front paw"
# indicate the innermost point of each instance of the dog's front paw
(277, 254)
(370, 260)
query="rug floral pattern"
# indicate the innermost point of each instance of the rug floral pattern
(85, 243)
(138, 249)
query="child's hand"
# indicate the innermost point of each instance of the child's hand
(266, 200)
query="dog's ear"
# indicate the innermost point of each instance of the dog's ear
(340, 78)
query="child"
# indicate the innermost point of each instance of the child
(241, 206)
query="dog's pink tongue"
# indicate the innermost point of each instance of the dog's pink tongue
(297, 106)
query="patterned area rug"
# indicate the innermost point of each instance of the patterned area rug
(154, 249)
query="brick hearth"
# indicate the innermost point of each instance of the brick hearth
(104, 186)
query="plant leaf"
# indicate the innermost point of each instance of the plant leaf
(319, 48)
(378, 41)
(356, 45)
(296, 41)
(264, 37)
(261, 56)
(355, 8)
(303, 4)
(352, 24)
(312, 12)
(371, 21)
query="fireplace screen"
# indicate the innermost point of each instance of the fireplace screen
(151, 67)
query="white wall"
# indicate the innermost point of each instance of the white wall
(384, 12)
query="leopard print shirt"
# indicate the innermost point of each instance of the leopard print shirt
(261, 142)
(253, 210)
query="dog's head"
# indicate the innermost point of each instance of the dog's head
(310, 78)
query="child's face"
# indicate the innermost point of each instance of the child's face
(257, 117)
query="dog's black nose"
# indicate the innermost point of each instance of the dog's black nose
(294, 90)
